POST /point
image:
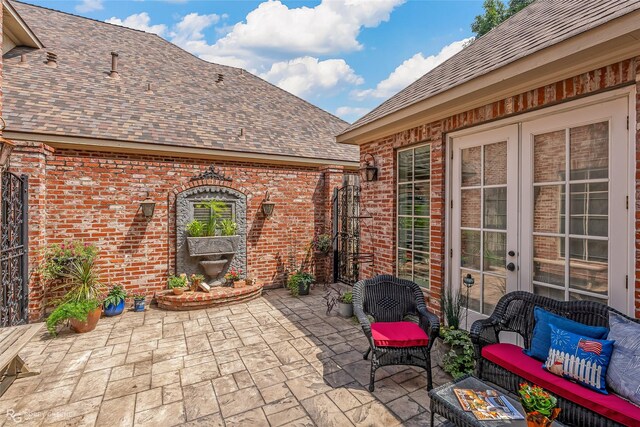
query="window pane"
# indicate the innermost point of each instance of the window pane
(495, 250)
(548, 262)
(580, 297)
(547, 209)
(589, 151)
(495, 163)
(471, 167)
(470, 208)
(404, 233)
(588, 266)
(549, 157)
(421, 269)
(404, 199)
(494, 289)
(422, 163)
(421, 234)
(548, 292)
(589, 206)
(470, 249)
(405, 166)
(405, 264)
(421, 199)
(495, 208)
(474, 291)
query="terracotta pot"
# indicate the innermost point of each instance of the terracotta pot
(178, 291)
(89, 325)
(239, 283)
(535, 419)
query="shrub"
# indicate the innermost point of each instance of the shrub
(178, 281)
(459, 360)
(81, 281)
(78, 310)
(58, 257)
(298, 280)
(115, 296)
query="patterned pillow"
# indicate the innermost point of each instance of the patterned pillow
(579, 358)
(623, 375)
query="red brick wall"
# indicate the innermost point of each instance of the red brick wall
(378, 197)
(95, 197)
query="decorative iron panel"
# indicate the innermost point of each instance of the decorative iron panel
(346, 222)
(14, 292)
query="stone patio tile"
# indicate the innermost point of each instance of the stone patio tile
(36, 402)
(198, 373)
(149, 399)
(424, 419)
(243, 379)
(307, 386)
(120, 348)
(421, 397)
(269, 377)
(66, 413)
(231, 367)
(275, 393)
(128, 386)
(286, 416)
(285, 352)
(195, 327)
(199, 358)
(213, 420)
(73, 362)
(172, 330)
(252, 339)
(172, 377)
(240, 401)
(58, 381)
(86, 420)
(89, 343)
(139, 356)
(168, 365)
(171, 393)
(253, 418)
(299, 369)
(91, 384)
(387, 390)
(95, 364)
(165, 416)
(405, 408)
(343, 399)
(257, 362)
(324, 412)
(360, 393)
(117, 412)
(332, 339)
(255, 348)
(167, 353)
(348, 357)
(419, 382)
(373, 414)
(199, 400)
(137, 347)
(338, 378)
(102, 352)
(302, 422)
(140, 368)
(148, 332)
(224, 385)
(360, 371)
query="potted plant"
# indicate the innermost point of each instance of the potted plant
(345, 304)
(178, 283)
(214, 236)
(114, 302)
(540, 406)
(321, 243)
(233, 278)
(57, 258)
(196, 280)
(138, 301)
(300, 282)
(454, 349)
(81, 305)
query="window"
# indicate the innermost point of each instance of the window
(413, 214)
(202, 213)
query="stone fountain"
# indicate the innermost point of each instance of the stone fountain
(214, 253)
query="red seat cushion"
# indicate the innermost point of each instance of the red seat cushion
(398, 334)
(610, 405)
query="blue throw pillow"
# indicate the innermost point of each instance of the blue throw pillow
(623, 375)
(541, 339)
(579, 358)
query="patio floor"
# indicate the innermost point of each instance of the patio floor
(274, 361)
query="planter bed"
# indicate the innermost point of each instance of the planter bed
(218, 296)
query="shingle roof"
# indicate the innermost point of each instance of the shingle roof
(538, 26)
(186, 107)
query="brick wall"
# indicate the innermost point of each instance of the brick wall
(378, 198)
(95, 197)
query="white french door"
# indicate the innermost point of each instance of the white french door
(541, 206)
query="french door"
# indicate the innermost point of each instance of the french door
(541, 206)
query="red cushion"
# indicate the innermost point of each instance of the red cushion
(610, 405)
(398, 334)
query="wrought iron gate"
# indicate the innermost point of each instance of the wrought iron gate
(14, 260)
(347, 257)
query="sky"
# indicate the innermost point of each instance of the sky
(345, 56)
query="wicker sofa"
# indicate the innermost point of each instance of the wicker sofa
(507, 366)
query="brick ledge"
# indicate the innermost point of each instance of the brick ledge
(217, 297)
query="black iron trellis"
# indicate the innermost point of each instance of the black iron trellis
(14, 263)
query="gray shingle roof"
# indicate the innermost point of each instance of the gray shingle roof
(186, 107)
(538, 26)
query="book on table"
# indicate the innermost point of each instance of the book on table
(487, 404)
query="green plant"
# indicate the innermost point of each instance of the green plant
(195, 228)
(216, 208)
(452, 308)
(81, 281)
(459, 360)
(78, 310)
(58, 257)
(297, 280)
(535, 399)
(178, 281)
(233, 274)
(228, 227)
(347, 297)
(138, 296)
(197, 278)
(115, 296)
(322, 243)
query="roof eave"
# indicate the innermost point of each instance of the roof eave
(18, 27)
(614, 41)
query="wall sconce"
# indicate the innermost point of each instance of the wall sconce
(370, 171)
(267, 206)
(5, 152)
(147, 206)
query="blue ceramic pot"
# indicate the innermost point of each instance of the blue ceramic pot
(113, 310)
(138, 305)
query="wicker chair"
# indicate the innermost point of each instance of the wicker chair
(514, 313)
(389, 299)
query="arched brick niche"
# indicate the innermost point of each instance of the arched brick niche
(186, 200)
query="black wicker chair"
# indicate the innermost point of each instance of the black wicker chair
(514, 313)
(389, 299)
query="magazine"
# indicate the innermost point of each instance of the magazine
(487, 404)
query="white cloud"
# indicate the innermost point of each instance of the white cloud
(89, 6)
(139, 21)
(306, 75)
(410, 71)
(351, 113)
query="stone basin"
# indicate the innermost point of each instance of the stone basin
(214, 245)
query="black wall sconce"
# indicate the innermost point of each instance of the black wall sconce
(148, 206)
(267, 206)
(370, 171)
